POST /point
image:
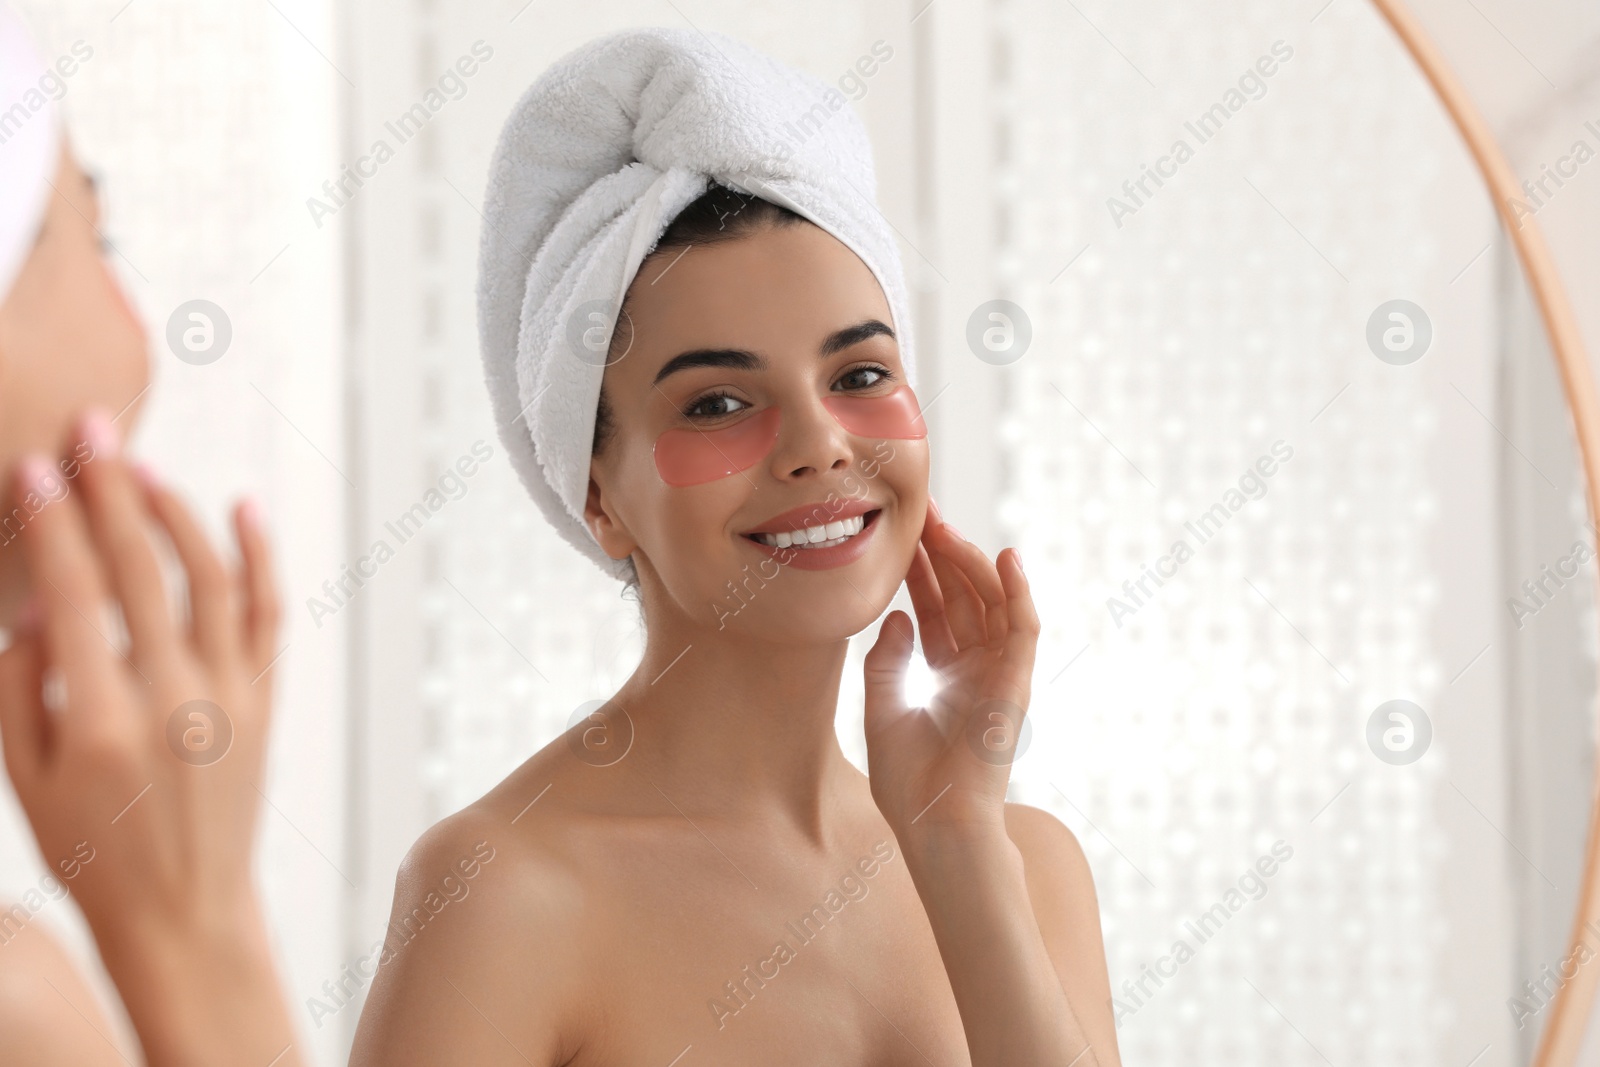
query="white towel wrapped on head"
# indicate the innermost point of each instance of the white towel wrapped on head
(29, 147)
(596, 159)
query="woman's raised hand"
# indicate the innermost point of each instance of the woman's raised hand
(136, 762)
(939, 774)
(946, 766)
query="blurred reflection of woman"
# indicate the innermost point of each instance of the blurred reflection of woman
(155, 849)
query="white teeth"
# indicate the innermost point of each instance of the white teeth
(823, 536)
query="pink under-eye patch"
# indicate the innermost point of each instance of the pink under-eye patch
(893, 415)
(693, 457)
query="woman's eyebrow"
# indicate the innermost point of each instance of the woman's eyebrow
(854, 335)
(737, 358)
(741, 359)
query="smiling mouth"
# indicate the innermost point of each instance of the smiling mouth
(825, 535)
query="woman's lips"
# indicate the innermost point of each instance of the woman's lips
(813, 514)
(820, 559)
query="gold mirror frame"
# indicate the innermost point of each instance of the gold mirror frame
(1562, 1037)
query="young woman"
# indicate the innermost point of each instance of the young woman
(696, 874)
(155, 849)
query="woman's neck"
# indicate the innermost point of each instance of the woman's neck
(735, 729)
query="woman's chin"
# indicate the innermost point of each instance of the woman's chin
(800, 618)
(817, 596)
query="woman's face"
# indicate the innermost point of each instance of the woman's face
(68, 341)
(782, 318)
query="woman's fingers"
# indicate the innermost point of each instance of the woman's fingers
(938, 645)
(211, 592)
(72, 593)
(963, 607)
(117, 523)
(263, 610)
(23, 718)
(982, 578)
(1014, 679)
(884, 670)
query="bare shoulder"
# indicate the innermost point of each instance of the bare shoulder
(1061, 889)
(48, 1014)
(1049, 849)
(481, 961)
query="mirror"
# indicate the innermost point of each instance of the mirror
(1282, 253)
(1216, 322)
(1293, 441)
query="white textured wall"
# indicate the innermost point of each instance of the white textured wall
(1227, 313)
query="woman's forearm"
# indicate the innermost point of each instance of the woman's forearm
(168, 892)
(201, 1000)
(1012, 1005)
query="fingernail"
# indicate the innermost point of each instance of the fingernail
(146, 474)
(101, 435)
(937, 515)
(953, 530)
(1018, 553)
(250, 512)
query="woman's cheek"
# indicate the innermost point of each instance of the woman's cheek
(902, 465)
(119, 299)
(132, 348)
(907, 477)
(673, 525)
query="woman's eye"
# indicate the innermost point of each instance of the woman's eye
(864, 377)
(715, 406)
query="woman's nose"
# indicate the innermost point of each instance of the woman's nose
(810, 440)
